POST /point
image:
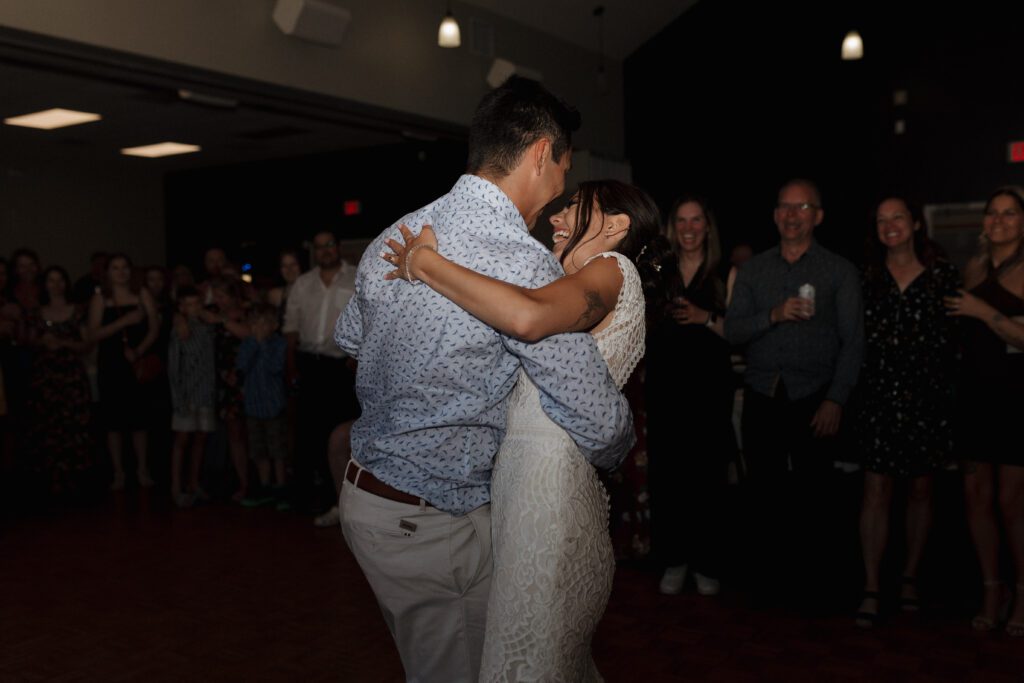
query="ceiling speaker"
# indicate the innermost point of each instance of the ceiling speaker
(501, 69)
(318, 21)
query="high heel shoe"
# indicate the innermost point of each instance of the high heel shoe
(1015, 629)
(864, 618)
(983, 622)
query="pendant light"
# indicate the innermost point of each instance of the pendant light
(448, 34)
(853, 47)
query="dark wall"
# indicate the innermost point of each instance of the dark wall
(734, 98)
(255, 210)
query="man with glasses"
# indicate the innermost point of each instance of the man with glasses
(317, 367)
(797, 308)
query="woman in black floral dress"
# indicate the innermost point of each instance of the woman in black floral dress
(58, 443)
(904, 427)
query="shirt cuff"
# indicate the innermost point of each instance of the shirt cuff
(839, 393)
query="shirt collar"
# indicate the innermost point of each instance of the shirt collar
(811, 252)
(316, 275)
(492, 195)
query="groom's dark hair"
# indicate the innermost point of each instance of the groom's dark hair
(512, 117)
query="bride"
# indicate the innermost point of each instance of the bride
(553, 562)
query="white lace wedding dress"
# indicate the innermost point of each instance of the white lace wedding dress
(553, 562)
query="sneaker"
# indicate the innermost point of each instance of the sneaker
(258, 498)
(672, 580)
(145, 481)
(330, 518)
(706, 585)
(184, 500)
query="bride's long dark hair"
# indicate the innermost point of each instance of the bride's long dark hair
(643, 244)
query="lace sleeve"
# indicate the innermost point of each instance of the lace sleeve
(622, 342)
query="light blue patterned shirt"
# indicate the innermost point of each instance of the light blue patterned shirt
(433, 381)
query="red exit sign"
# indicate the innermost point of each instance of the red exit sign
(1016, 152)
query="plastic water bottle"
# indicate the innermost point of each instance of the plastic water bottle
(806, 292)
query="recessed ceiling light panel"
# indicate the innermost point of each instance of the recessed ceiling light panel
(161, 149)
(52, 118)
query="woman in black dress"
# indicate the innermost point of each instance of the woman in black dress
(123, 321)
(904, 421)
(58, 442)
(992, 400)
(689, 390)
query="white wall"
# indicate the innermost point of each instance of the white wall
(389, 58)
(65, 213)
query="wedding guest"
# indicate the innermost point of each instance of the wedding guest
(228, 317)
(214, 260)
(91, 282)
(25, 287)
(904, 422)
(689, 381)
(261, 361)
(123, 321)
(58, 441)
(192, 374)
(290, 269)
(323, 373)
(991, 401)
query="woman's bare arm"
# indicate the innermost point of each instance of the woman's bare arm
(574, 303)
(152, 321)
(1009, 330)
(97, 330)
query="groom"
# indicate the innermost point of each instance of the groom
(434, 383)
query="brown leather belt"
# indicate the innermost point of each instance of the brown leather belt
(372, 484)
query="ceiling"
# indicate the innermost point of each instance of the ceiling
(628, 24)
(139, 109)
(136, 114)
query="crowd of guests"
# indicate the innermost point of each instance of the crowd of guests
(904, 365)
(913, 365)
(99, 369)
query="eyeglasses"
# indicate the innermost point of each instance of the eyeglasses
(801, 208)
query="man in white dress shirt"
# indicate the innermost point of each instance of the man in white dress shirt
(320, 370)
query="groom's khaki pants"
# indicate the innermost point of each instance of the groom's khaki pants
(431, 573)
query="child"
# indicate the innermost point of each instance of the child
(261, 360)
(191, 371)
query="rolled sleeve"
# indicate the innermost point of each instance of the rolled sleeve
(578, 394)
(348, 330)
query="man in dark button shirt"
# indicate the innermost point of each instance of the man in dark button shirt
(803, 352)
